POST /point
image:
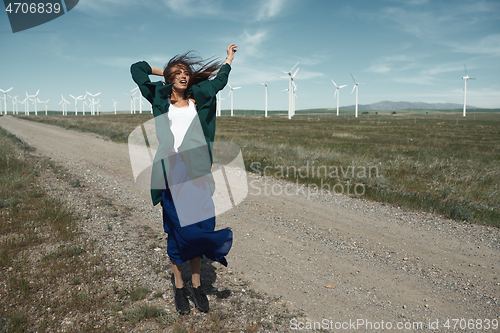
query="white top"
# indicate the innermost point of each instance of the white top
(179, 120)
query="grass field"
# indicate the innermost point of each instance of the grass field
(427, 160)
(42, 255)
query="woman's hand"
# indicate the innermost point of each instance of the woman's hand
(231, 50)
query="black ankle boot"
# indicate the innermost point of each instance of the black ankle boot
(181, 300)
(200, 300)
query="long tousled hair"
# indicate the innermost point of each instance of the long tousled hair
(199, 69)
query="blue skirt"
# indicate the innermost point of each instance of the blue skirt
(189, 218)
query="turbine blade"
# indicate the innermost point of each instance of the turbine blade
(335, 95)
(466, 71)
(294, 66)
(295, 72)
(334, 83)
(353, 78)
(345, 85)
(353, 89)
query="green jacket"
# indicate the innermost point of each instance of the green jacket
(196, 148)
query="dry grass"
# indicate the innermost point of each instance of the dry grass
(438, 162)
(47, 270)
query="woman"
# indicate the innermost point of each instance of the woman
(184, 108)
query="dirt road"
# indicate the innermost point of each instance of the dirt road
(342, 260)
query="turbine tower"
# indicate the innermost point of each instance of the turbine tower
(267, 94)
(133, 92)
(290, 77)
(294, 96)
(114, 104)
(337, 94)
(92, 112)
(219, 104)
(96, 113)
(356, 84)
(218, 110)
(5, 99)
(231, 94)
(466, 77)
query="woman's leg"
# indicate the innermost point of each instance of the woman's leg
(178, 275)
(195, 271)
(199, 297)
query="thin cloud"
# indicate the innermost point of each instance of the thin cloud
(251, 43)
(269, 9)
(103, 7)
(489, 45)
(194, 8)
(381, 69)
(424, 80)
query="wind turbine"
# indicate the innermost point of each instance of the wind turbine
(63, 102)
(14, 103)
(34, 99)
(267, 94)
(132, 99)
(5, 99)
(291, 88)
(231, 94)
(39, 101)
(466, 77)
(356, 85)
(337, 93)
(79, 98)
(93, 103)
(26, 108)
(114, 104)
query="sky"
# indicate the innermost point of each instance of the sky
(401, 50)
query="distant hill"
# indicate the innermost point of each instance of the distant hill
(388, 106)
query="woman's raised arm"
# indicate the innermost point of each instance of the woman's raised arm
(231, 50)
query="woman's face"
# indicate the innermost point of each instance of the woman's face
(180, 77)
